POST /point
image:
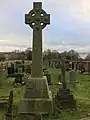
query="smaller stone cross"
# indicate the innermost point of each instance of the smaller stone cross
(63, 73)
(37, 19)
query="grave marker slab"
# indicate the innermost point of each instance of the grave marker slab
(72, 78)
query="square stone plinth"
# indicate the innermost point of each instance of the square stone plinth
(37, 88)
(65, 99)
(36, 105)
(37, 97)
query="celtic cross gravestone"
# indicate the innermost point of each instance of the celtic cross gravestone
(37, 19)
(37, 97)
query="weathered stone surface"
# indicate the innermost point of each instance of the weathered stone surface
(31, 117)
(46, 65)
(72, 75)
(72, 78)
(28, 68)
(38, 105)
(20, 70)
(63, 74)
(11, 69)
(65, 99)
(37, 19)
(67, 66)
(37, 88)
(18, 77)
(48, 75)
(37, 97)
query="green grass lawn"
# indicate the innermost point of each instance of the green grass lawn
(81, 93)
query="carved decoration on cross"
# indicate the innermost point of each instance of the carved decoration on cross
(37, 18)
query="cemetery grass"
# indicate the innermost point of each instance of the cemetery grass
(81, 93)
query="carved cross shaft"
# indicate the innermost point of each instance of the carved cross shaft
(37, 20)
(63, 73)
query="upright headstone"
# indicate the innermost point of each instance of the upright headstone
(27, 68)
(37, 97)
(77, 65)
(72, 78)
(45, 65)
(67, 65)
(70, 65)
(20, 70)
(64, 98)
(10, 69)
(87, 72)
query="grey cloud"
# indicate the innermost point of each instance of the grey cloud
(14, 45)
(68, 23)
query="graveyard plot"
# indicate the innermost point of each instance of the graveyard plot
(81, 93)
(5, 88)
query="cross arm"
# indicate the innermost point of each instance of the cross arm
(29, 19)
(46, 19)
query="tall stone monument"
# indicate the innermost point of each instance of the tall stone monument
(37, 97)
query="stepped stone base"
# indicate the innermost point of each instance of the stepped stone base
(65, 99)
(37, 97)
(30, 117)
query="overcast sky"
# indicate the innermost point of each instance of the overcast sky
(69, 25)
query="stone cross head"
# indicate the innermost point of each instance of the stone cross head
(37, 18)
